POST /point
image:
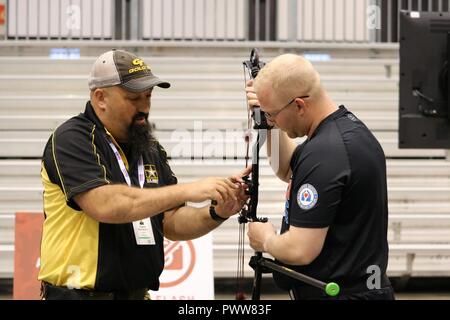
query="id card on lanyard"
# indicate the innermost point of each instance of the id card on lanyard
(143, 230)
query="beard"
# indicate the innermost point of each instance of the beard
(140, 137)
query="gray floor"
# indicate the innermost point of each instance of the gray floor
(399, 296)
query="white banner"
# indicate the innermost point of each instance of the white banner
(188, 272)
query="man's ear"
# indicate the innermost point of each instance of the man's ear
(301, 106)
(100, 96)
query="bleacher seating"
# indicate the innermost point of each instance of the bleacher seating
(37, 94)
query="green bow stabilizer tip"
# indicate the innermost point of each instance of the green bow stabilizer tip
(332, 289)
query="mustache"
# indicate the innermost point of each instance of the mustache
(140, 115)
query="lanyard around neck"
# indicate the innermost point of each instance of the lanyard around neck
(124, 169)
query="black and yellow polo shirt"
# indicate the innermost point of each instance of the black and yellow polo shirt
(76, 250)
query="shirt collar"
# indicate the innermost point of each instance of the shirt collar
(337, 114)
(91, 115)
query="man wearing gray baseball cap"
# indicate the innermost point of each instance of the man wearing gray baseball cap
(119, 67)
(110, 195)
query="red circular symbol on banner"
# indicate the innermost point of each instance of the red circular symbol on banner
(179, 261)
(2, 14)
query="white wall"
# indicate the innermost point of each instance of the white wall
(316, 20)
(324, 20)
(194, 19)
(63, 18)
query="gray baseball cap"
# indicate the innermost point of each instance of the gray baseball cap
(120, 67)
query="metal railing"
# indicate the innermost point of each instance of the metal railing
(327, 21)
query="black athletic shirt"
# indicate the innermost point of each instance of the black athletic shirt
(339, 181)
(76, 249)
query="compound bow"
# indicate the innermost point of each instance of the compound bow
(249, 211)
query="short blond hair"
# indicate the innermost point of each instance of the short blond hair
(289, 76)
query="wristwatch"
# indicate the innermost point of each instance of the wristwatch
(215, 216)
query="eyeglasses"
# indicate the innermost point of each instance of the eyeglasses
(274, 114)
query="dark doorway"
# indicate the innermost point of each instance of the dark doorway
(262, 20)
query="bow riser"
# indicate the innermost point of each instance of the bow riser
(249, 212)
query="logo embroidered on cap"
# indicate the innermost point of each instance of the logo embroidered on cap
(141, 66)
(307, 197)
(138, 62)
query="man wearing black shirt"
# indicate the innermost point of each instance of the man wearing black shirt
(336, 213)
(110, 196)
